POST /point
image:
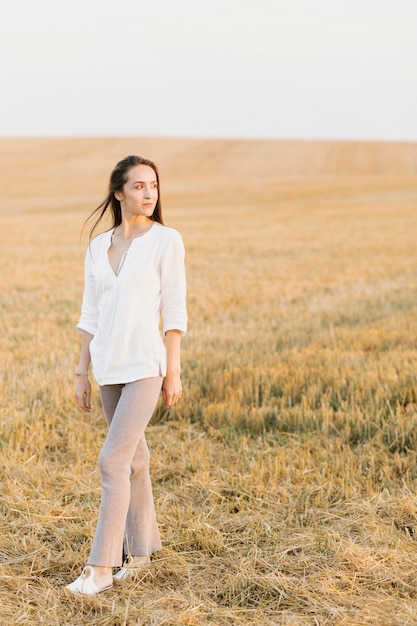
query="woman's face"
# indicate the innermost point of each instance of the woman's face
(140, 192)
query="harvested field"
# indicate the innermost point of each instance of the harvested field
(285, 480)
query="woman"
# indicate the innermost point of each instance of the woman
(134, 273)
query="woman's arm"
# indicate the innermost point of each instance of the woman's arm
(171, 387)
(174, 315)
(83, 386)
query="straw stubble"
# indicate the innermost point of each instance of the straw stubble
(285, 479)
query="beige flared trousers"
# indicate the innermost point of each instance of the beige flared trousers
(126, 518)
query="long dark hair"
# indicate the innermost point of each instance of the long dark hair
(118, 177)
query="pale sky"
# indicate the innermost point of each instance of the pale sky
(325, 69)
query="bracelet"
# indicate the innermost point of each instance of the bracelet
(81, 373)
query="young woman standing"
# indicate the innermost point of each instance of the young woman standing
(134, 274)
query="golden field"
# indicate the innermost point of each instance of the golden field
(285, 481)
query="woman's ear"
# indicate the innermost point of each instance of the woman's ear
(118, 195)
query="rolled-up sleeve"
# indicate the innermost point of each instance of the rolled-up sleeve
(173, 286)
(89, 310)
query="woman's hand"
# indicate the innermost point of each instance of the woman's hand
(83, 393)
(171, 389)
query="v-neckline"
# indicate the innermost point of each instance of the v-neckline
(116, 272)
(122, 261)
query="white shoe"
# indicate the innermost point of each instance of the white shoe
(85, 583)
(131, 567)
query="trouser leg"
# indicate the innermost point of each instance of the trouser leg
(141, 533)
(127, 509)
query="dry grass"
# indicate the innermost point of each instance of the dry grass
(285, 481)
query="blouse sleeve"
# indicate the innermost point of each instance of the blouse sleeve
(173, 286)
(89, 311)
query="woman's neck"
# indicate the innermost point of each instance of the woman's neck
(133, 227)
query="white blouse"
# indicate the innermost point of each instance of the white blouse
(123, 312)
